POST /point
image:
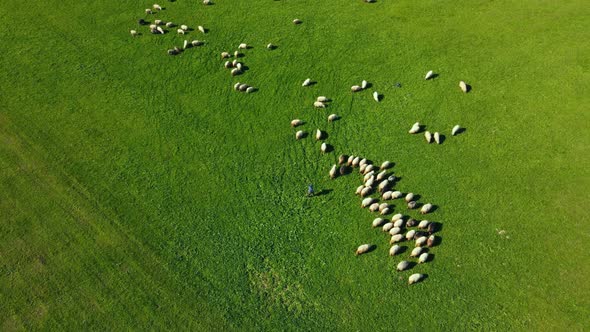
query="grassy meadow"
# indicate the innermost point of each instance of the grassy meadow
(140, 191)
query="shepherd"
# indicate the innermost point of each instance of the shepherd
(310, 191)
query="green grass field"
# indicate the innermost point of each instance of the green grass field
(139, 191)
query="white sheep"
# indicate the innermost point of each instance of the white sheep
(415, 128)
(396, 194)
(383, 206)
(225, 55)
(228, 65)
(160, 30)
(374, 207)
(383, 185)
(153, 26)
(429, 75)
(234, 63)
(423, 258)
(455, 130)
(318, 134)
(369, 168)
(350, 159)
(201, 29)
(206, 2)
(297, 21)
(409, 197)
(396, 238)
(428, 136)
(169, 25)
(414, 278)
(367, 201)
(185, 44)
(395, 230)
(369, 183)
(397, 216)
(362, 249)
(299, 135)
(437, 137)
(386, 195)
(237, 88)
(376, 96)
(355, 88)
(270, 46)
(359, 189)
(184, 27)
(416, 252)
(295, 122)
(235, 72)
(385, 211)
(324, 148)
(180, 31)
(322, 99)
(426, 208)
(431, 241)
(366, 191)
(387, 227)
(333, 117)
(355, 161)
(410, 235)
(319, 104)
(158, 22)
(463, 87)
(148, 11)
(133, 33)
(250, 89)
(363, 162)
(412, 205)
(385, 165)
(403, 265)
(399, 223)
(377, 222)
(243, 87)
(307, 82)
(197, 43)
(239, 66)
(423, 224)
(157, 7)
(364, 84)
(367, 176)
(394, 250)
(421, 241)
(333, 172)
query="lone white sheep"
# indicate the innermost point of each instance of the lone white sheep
(133, 33)
(271, 46)
(307, 82)
(333, 117)
(394, 250)
(169, 25)
(429, 75)
(297, 21)
(412, 205)
(463, 86)
(157, 7)
(197, 43)
(376, 96)
(243, 46)
(403, 265)
(148, 11)
(364, 84)
(185, 44)
(414, 278)
(455, 130)
(299, 135)
(295, 122)
(362, 249)
(333, 172)
(415, 128)
(201, 29)
(426, 208)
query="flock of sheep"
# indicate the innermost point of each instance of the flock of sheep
(378, 181)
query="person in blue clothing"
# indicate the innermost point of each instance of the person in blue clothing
(310, 191)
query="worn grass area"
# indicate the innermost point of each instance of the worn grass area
(139, 191)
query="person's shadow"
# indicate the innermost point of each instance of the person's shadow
(323, 192)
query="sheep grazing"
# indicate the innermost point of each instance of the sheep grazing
(333, 172)
(235, 72)
(299, 135)
(415, 128)
(378, 222)
(383, 186)
(385, 165)
(160, 30)
(409, 197)
(234, 63)
(169, 25)
(363, 162)
(297, 21)
(437, 137)
(295, 122)
(431, 241)
(133, 33)
(403, 265)
(333, 117)
(362, 168)
(225, 55)
(319, 104)
(237, 88)
(365, 191)
(414, 278)
(356, 161)
(197, 43)
(343, 170)
(426, 208)
(397, 217)
(157, 7)
(185, 44)
(429, 75)
(322, 99)
(324, 148)
(363, 249)
(399, 223)
(396, 194)
(455, 130)
(395, 230)
(364, 84)
(319, 134)
(376, 96)
(243, 46)
(307, 82)
(391, 178)
(423, 224)
(350, 159)
(416, 252)
(184, 27)
(411, 222)
(148, 11)
(396, 238)
(432, 228)
(381, 175)
(383, 206)
(250, 89)
(207, 2)
(342, 159)
(385, 211)
(359, 189)
(180, 31)
(355, 88)
(428, 136)
(421, 241)
(394, 250)
(158, 22)
(374, 207)
(369, 168)
(423, 258)
(243, 87)
(370, 181)
(386, 195)
(271, 46)
(464, 87)
(410, 235)
(228, 64)
(412, 205)
(239, 66)
(172, 52)
(201, 29)
(367, 201)
(369, 175)
(387, 227)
